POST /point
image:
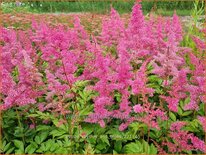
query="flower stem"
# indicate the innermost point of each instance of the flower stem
(1, 97)
(20, 125)
(148, 133)
(1, 146)
(205, 116)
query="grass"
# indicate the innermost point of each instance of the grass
(170, 12)
(101, 7)
(11, 8)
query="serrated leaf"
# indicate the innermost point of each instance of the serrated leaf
(91, 139)
(54, 147)
(113, 131)
(118, 146)
(43, 136)
(57, 132)
(153, 135)
(19, 144)
(49, 144)
(172, 116)
(43, 147)
(153, 149)
(88, 129)
(132, 148)
(37, 139)
(86, 111)
(30, 149)
(42, 127)
(62, 151)
(146, 147)
(101, 146)
(19, 151)
(104, 138)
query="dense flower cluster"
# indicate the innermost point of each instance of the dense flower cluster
(182, 140)
(47, 61)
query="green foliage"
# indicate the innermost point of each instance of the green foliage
(77, 136)
(192, 28)
(163, 8)
(140, 147)
(12, 8)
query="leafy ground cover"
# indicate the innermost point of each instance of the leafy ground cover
(111, 84)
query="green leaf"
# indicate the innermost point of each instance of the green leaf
(59, 142)
(115, 134)
(135, 126)
(99, 130)
(88, 149)
(146, 147)
(153, 149)
(62, 150)
(187, 100)
(43, 147)
(101, 146)
(57, 133)
(10, 150)
(141, 147)
(191, 129)
(134, 99)
(86, 110)
(118, 97)
(54, 146)
(132, 148)
(92, 139)
(113, 131)
(40, 150)
(118, 146)
(43, 136)
(19, 151)
(114, 152)
(37, 139)
(193, 126)
(187, 113)
(104, 138)
(4, 144)
(30, 148)
(172, 116)
(153, 135)
(49, 144)
(6, 147)
(42, 127)
(64, 127)
(19, 144)
(19, 132)
(180, 111)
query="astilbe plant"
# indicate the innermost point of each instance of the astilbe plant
(46, 62)
(199, 80)
(201, 46)
(182, 140)
(23, 82)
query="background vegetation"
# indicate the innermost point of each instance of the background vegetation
(164, 8)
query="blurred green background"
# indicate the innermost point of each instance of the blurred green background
(164, 8)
